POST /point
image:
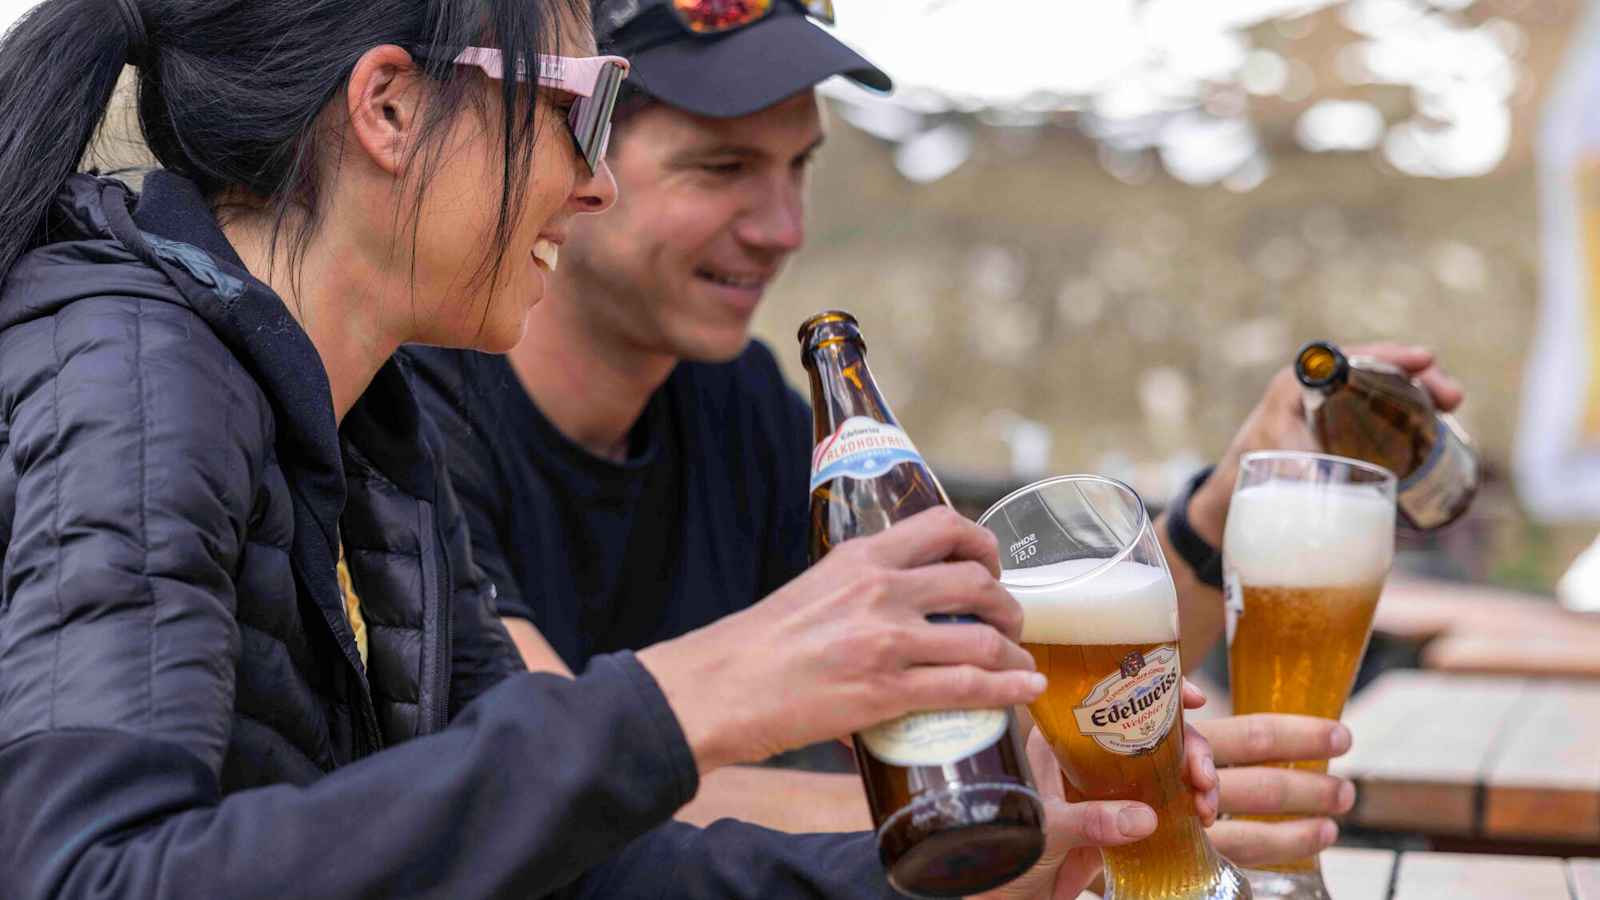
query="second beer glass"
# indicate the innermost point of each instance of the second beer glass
(1100, 616)
(1309, 541)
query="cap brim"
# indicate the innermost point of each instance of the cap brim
(748, 70)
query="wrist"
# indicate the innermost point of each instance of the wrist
(1200, 551)
(678, 670)
(1208, 507)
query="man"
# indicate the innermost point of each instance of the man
(638, 467)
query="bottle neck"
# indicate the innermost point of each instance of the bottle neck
(1320, 367)
(842, 386)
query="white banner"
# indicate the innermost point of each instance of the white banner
(1556, 460)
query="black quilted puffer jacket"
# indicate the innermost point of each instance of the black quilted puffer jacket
(183, 713)
(182, 709)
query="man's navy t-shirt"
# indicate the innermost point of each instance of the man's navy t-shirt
(706, 516)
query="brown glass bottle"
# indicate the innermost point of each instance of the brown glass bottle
(951, 795)
(1372, 411)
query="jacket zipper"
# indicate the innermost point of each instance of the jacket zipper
(439, 710)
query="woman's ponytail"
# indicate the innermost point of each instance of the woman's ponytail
(58, 68)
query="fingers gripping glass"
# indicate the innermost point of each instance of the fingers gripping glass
(717, 16)
(594, 80)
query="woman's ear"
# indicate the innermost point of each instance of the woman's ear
(385, 104)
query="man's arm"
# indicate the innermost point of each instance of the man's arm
(1200, 612)
(537, 654)
(780, 799)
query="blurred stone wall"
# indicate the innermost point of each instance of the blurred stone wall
(1141, 323)
(1137, 324)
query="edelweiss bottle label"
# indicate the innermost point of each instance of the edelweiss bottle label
(1133, 708)
(861, 448)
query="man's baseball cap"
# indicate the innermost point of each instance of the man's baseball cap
(731, 74)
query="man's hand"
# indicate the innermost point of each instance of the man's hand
(1075, 832)
(1278, 423)
(1242, 746)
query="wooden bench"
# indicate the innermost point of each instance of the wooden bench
(1572, 651)
(1420, 610)
(1474, 628)
(1493, 759)
(1359, 874)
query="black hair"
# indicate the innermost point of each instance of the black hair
(229, 93)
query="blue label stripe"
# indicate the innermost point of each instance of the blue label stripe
(870, 464)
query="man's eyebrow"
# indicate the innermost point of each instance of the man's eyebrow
(717, 148)
(724, 149)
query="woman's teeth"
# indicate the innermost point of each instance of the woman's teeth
(547, 253)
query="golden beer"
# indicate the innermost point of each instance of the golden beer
(1113, 714)
(1299, 648)
(1298, 652)
(1305, 567)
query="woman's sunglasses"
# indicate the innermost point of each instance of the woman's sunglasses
(718, 16)
(594, 80)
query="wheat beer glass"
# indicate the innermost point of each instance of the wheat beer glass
(1100, 616)
(1309, 541)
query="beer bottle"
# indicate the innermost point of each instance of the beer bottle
(950, 792)
(1370, 410)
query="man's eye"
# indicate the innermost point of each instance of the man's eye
(722, 168)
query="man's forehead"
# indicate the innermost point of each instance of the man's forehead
(797, 119)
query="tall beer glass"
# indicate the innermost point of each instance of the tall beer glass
(1309, 541)
(1100, 616)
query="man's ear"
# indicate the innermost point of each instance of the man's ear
(385, 105)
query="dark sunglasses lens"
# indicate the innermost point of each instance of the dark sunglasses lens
(591, 116)
(713, 16)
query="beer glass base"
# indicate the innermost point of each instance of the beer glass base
(1287, 885)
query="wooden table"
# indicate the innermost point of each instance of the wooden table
(1354, 874)
(1496, 759)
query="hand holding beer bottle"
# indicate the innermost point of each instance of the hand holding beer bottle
(1366, 409)
(949, 789)
(1278, 422)
(847, 645)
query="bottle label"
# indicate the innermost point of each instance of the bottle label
(1434, 493)
(1133, 708)
(935, 738)
(860, 448)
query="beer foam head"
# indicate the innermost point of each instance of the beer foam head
(1298, 534)
(1127, 603)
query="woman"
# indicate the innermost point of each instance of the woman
(243, 650)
